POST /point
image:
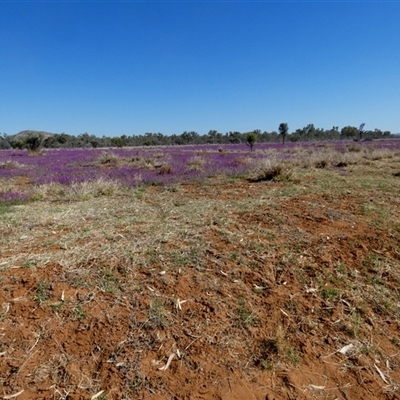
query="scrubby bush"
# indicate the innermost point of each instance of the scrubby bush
(275, 170)
(33, 142)
(196, 163)
(165, 169)
(108, 158)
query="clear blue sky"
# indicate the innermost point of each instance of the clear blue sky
(113, 68)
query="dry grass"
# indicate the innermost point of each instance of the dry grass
(272, 169)
(196, 163)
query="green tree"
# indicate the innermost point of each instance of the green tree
(33, 141)
(118, 141)
(251, 139)
(361, 131)
(234, 137)
(283, 131)
(349, 132)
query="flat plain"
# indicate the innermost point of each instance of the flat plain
(279, 281)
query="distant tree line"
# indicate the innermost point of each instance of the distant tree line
(33, 140)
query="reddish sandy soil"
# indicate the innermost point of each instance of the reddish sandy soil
(268, 321)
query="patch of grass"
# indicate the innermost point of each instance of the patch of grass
(301, 275)
(42, 292)
(266, 365)
(354, 324)
(78, 281)
(372, 263)
(58, 306)
(78, 312)
(341, 268)
(330, 294)
(235, 177)
(138, 193)
(108, 281)
(5, 208)
(28, 263)
(88, 190)
(293, 355)
(291, 305)
(246, 317)
(157, 314)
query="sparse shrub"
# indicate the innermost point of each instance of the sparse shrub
(353, 147)
(165, 169)
(196, 163)
(242, 161)
(272, 170)
(348, 158)
(136, 159)
(108, 158)
(316, 158)
(323, 163)
(149, 163)
(159, 155)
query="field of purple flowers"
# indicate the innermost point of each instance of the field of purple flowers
(132, 167)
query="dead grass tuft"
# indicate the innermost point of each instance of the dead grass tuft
(109, 158)
(196, 163)
(274, 170)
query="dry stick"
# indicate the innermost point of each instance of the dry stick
(95, 396)
(229, 382)
(165, 367)
(192, 342)
(381, 374)
(11, 396)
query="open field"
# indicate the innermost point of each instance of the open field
(216, 274)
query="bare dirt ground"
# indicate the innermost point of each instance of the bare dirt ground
(227, 290)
